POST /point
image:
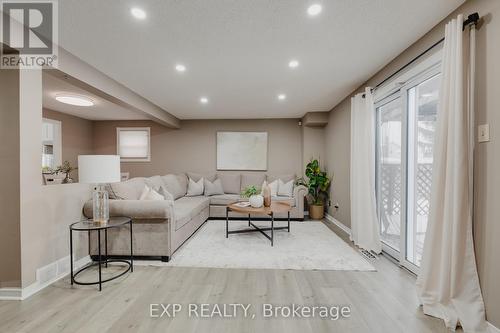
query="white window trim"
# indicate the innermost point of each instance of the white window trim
(119, 129)
(57, 141)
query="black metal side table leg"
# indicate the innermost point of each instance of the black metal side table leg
(100, 259)
(106, 247)
(71, 254)
(227, 222)
(272, 229)
(131, 250)
(288, 221)
(249, 219)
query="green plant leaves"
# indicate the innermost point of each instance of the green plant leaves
(319, 182)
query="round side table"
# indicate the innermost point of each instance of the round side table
(91, 226)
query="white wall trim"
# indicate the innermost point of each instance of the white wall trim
(10, 294)
(45, 276)
(492, 328)
(339, 224)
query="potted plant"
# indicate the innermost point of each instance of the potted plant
(253, 194)
(318, 183)
(65, 168)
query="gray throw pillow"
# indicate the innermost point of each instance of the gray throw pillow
(213, 188)
(195, 188)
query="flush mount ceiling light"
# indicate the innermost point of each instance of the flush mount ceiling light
(75, 100)
(314, 10)
(281, 97)
(180, 68)
(138, 13)
(293, 64)
(203, 100)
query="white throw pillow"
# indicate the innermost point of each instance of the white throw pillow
(273, 186)
(285, 190)
(149, 194)
(213, 188)
(195, 188)
(166, 194)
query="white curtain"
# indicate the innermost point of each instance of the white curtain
(365, 230)
(448, 284)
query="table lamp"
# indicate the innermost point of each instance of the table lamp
(99, 170)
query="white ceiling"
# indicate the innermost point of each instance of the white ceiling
(237, 52)
(101, 110)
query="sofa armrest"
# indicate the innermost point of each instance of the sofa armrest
(299, 193)
(136, 209)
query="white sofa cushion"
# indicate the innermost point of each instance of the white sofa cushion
(187, 208)
(285, 189)
(127, 190)
(175, 184)
(213, 188)
(249, 179)
(288, 200)
(196, 176)
(224, 199)
(154, 182)
(231, 183)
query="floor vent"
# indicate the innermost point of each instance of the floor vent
(368, 255)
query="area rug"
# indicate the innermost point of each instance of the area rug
(308, 246)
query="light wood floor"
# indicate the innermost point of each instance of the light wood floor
(382, 301)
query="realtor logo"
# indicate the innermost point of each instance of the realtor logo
(29, 34)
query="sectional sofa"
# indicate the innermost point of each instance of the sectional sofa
(161, 227)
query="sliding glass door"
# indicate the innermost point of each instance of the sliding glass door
(406, 121)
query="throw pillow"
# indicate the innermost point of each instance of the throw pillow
(273, 186)
(213, 188)
(285, 189)
(166, 194)
(195, 188)
(149, 194)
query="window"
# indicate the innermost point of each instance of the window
(406, 121)
(133, 144)
(51, 144)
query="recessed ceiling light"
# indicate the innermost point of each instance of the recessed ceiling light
(75, 100)
(281, 97)
(314, 10)
(138, 13)
(180, 68)
(293, 64)
(203, 100)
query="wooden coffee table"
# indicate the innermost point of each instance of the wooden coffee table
(276, 207)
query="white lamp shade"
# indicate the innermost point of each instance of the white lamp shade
(99, 169)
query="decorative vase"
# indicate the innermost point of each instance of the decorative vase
(316, 212)
(266, 193)
(256, 201)
(67, 179)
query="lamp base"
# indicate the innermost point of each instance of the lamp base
(100, 203)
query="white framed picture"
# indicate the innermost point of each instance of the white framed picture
(242, 151)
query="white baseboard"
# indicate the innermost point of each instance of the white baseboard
(45, 276)
(492, 328)
(339, 224)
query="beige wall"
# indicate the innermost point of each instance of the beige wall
(77, 135)
(10, 235)
(338, 147)
(193, 146)
(487, 158)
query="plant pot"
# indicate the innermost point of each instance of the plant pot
(316, 212)
(256, 201)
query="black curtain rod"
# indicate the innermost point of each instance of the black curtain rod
(472, 19)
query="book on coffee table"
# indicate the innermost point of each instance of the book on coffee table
(242, 204)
